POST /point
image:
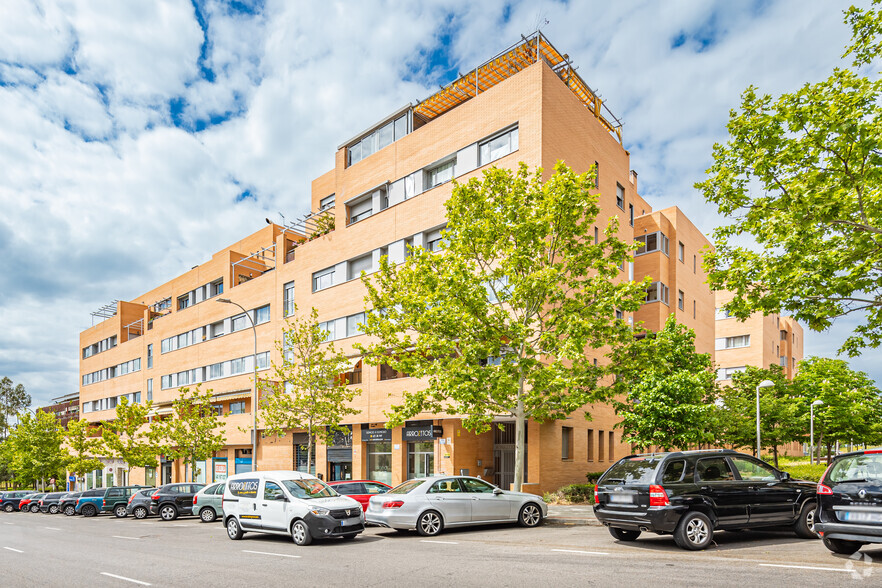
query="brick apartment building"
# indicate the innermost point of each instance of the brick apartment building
(65, 408)
(386, 192)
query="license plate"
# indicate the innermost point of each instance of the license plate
(621, 498)
(857, 516)
(352, 521)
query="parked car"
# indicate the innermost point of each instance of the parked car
(49, 503)
(431, 504)
(208, 503)
(360, 490)
(31, 503)
(288, 503)
(139, 503)
(89, 502)
(68, 503)
(113, 499)
(850, 502)
(173, 500)
(11, 500)
(691, 494)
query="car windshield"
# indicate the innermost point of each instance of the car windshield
(309, 489)
(857, 468)
(405, 487)
(633, 470)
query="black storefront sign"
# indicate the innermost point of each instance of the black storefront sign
(376, 435)
(422, 433)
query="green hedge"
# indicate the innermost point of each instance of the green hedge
(805, 472)
(592, 477)
(571, 494)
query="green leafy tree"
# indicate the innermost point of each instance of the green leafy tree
(83, 448)
(36, 448)
(306, 390)
(500, 319)
(800, 176)
(666, 389)
(13, 400)
(130, 437)
(852, 409)
(194, 431)
(783, 411)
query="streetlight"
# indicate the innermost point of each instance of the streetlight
(254, 396)
(812, 428)
(763, 384)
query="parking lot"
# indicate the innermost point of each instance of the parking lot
(37, 549)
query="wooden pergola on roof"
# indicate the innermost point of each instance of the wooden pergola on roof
(504, 65)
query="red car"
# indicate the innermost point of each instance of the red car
(31, 503)
(360, 490)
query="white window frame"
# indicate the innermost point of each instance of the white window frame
(485, 154)
(661, 243)
(318, 284)
(441, 173)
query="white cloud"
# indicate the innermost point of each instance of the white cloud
(103, 197)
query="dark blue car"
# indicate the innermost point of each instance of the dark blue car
(10, 500)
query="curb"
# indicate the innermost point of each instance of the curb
(561, 522)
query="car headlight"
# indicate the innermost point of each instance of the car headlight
(320, 511)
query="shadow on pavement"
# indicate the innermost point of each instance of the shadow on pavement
(723, 541)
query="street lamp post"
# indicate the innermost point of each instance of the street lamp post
(812, 428)
(763, 384)
(254, 396)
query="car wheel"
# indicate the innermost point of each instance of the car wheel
(70, 510)
(53, 509)
(695, 531)
(120, 511)
(842, 546)
(140, 512)
(168, 512)
(623, 534)
(300, 533)
(234, 531)
(9, 508)
(207, 515)
(35, 509)
(429, 524)
(805, 524)
(530, 515)
(89, 511)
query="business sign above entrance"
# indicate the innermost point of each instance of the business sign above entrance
(376, 435)
(423, 433)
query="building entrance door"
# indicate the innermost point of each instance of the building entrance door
(340, 470)
(166, 472)
(504, 455)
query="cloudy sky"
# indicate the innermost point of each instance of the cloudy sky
(138, 137)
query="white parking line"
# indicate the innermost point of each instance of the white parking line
(52, 528)
(447, 542)
(582, 552)
(126, 579)
(15, 550)
(807, 568)
(124, 537)
(267, 553)
(8, 523)
(183, 525)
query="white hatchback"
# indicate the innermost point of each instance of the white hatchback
(288, 502)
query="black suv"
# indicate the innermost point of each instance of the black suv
(68, 503)
(850, 502)
(49, 503)
(690, 494)
(172, 500)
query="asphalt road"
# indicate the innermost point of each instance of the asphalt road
(55, 550)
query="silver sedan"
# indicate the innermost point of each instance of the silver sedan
(430, 504)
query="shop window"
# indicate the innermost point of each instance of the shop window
(420, 459)
(379, 458)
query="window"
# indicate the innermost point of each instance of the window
(591, 443)
(262, 315)
(237, 407)
(183, 302)
(272, 491)
(330, 329)
(237, 366)
(166, 382)
(360, 264)
(620, 196)
(327, 202)
(681, 251)
(722, 314)
(657, 292)
(434, 239)
(752, 470)
(693, 309)
(566, 443)
(733, 342)
(681, 300)
(352, 324)
(715, 469)
(596, 235)
(387, 372)
(354, 376)
(216, 370)
(694, 264)
(674, 472)
(183, 378)
(216, 329)
(288, 299)
(652, 242)
(727, 373)
(620, 315)
(445, 486)
(378, 139)
(499, 146)
(216, 288)
(150, 356)
(238, 322)
(361, 210)
(323, 279)
(783, 360)
(631, 214)
(612, 446)
(596, 175)
(600, 445)
(149, 389)
(477, 486)
(440, 174)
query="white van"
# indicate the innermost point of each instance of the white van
(288, 502)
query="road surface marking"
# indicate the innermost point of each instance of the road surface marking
(579, 551)
(124, 537)
(267, 553)
(15, 550)
(446, 542)
(184, 525)
(126, 579)
(807, 568)
(53, 528)
(8, 523)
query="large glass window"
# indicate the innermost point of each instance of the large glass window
(262, 315)
(382, 137)
(380, 462)
(753, 470)
(652, 242)
(657, 292)
(352, 324)
(288, 299)
(420, 459)
(499, 146)
(237, 407)
(715, 469)
(857, 468)
(732, 342)
(323, 279)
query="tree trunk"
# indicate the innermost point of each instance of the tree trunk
(309, 449)
(520, 425)
(775, 454)
(829, 453)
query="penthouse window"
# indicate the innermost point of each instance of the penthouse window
(440, 174)
(652, 242)
(381, 137)
(657, 292)
(323, 279)
(620, 196)
(732, 342)
(498, 146)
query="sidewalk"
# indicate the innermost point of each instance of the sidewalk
(571, 515)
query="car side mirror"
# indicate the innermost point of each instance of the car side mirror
(282, 498)
(497, 491)
(785, 476)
